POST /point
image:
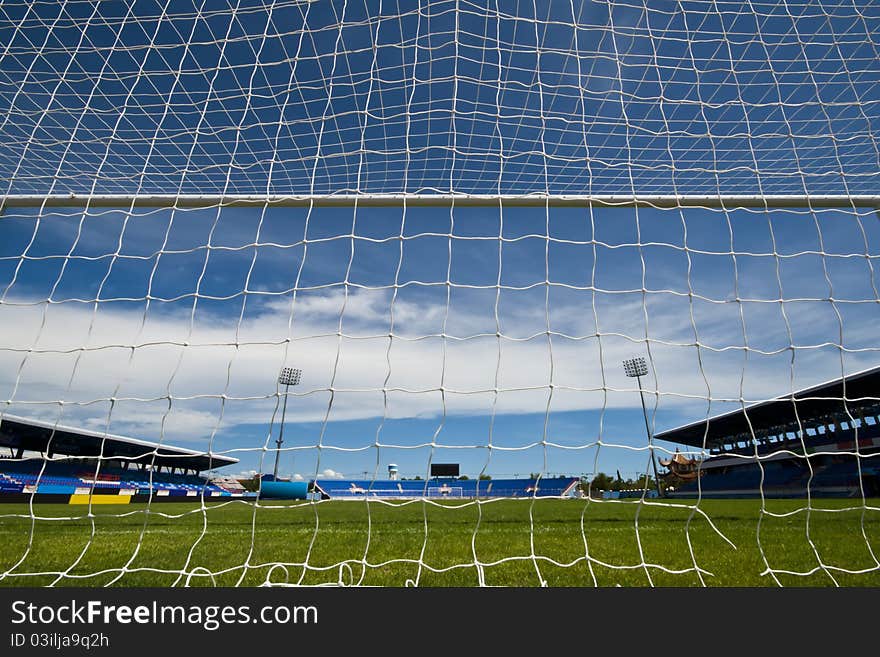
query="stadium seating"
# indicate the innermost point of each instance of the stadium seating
(832, 476)
(80, 477)
(832, 471)
(445, 488)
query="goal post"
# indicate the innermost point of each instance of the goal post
(720, 201)
(616, 259)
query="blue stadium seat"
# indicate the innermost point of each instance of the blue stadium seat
(445, 488)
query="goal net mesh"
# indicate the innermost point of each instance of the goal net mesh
(458, 218)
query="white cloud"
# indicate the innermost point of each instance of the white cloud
(330, 474)
(192, 376)
(244, 474)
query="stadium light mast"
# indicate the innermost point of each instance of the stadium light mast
(289, 377)
(637, 368)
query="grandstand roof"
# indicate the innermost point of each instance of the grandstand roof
(39, 436)
(806, 407)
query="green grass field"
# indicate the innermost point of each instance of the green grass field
(383, 544)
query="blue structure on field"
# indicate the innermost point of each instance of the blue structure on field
(273, 489)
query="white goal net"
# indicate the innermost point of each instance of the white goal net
(457, 219)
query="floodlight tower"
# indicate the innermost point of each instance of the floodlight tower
(288, 377)
(637, 368)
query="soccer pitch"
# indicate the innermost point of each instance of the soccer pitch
(515, 542)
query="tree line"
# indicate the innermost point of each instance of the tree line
(603, 481)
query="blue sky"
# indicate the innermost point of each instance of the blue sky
(594, 300)
(461, 97)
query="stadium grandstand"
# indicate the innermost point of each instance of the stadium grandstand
(822, 441)
(47, 462)
(353, 489)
